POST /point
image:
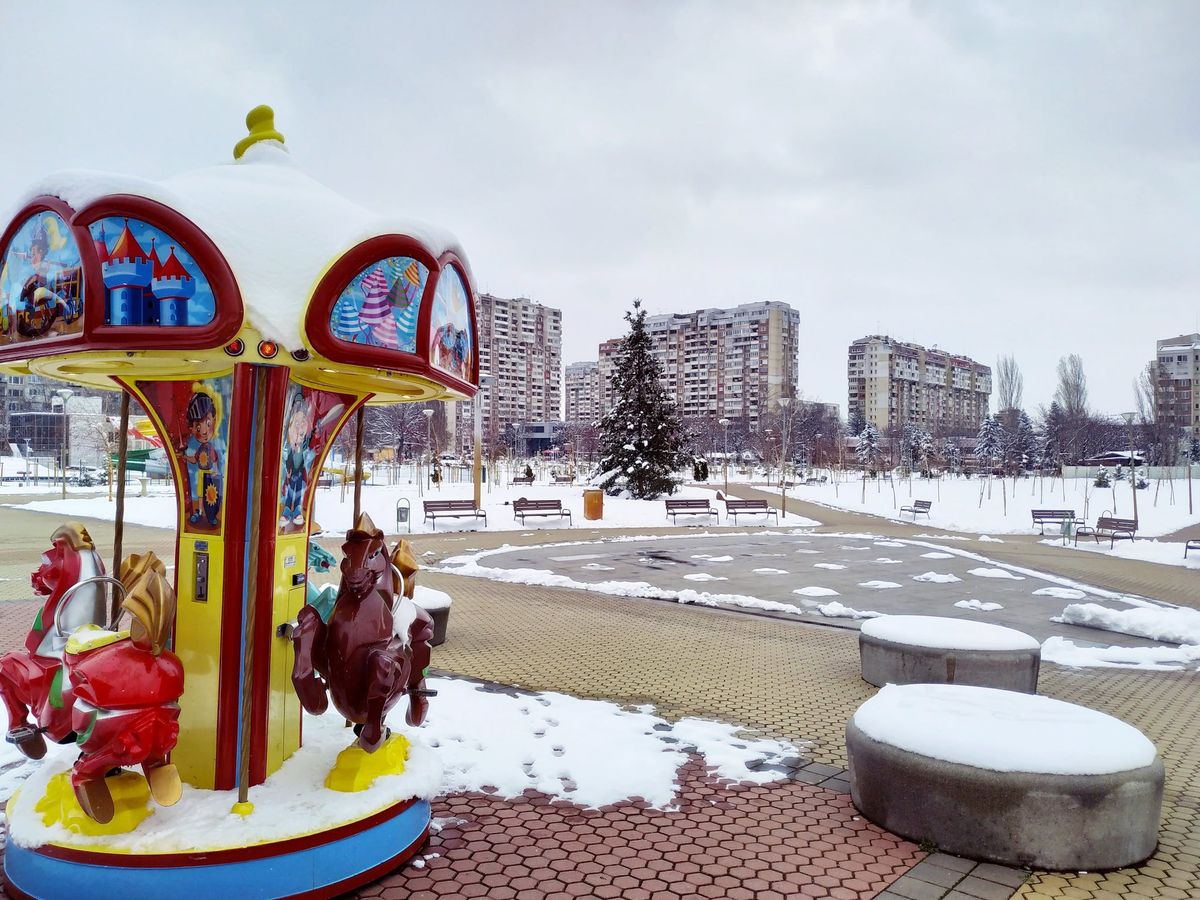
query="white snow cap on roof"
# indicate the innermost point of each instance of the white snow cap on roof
(278, 228)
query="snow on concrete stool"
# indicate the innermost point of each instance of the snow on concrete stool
(437, 604)
(1013, 778)
(937, 650)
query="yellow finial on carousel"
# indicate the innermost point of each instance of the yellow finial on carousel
(261, 123)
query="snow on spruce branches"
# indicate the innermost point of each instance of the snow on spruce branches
(641, 436)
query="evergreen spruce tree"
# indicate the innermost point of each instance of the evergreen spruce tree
(1024, 442)
(867, 450)
(989, 444)
(641, 436)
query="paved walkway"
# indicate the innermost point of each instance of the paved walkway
(792, 680)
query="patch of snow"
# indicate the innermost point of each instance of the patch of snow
(877, 585)
(949, 634)
(883, 560)
(1002, 731)
(836, 610)
(814, 591)
(828, 566)
(936, 578)
(985, 539)
(769, 571)
(934, 554)
(986, 572)
(1060, 593)
(704, 576)
(1176, 624)
(597, 567)
(890, 544)
(979, 605)
(1063, 652)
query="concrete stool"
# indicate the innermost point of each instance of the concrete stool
(437, 604)
(1012, 778)
(936, 650)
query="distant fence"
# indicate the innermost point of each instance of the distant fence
(1150, 472)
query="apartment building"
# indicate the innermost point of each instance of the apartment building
(582, 392)
(893, 384)
(720, 363)
(520, 346)
(1177, 382)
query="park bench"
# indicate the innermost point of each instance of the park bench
(811, 481)
(919, 506)
(749, 507)
(1061, 516)
(522, 479)
(523, 508)
(1190, 545)
(700, 507)
(453, 509)
(563, 479)
(1109, 527)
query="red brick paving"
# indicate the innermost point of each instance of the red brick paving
(756, 842)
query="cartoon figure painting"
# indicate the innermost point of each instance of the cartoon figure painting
(41, 282)
(450, 327)
(140, 288)
(311, 417)
(193, 414)
(379, 306)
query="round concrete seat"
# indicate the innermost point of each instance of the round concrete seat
(1012, 778)
(937, 650)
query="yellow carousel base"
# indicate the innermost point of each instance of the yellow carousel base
(131, 799)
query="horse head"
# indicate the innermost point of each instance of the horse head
(365, 559)
(60, 566)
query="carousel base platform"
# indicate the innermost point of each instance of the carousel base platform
(324, 864)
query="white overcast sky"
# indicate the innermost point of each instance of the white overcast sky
(990, 177)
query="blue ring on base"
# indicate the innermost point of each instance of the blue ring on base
(319, 865)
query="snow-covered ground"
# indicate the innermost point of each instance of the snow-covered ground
(476, 738)
(998, 506)
(1166, 553)
(333, 511)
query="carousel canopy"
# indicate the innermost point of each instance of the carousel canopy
(252, 249)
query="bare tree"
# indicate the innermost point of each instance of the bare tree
(1071, 393)
(400, 426)
(1010, 384)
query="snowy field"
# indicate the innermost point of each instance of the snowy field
(477, 738)
(334, 511)
(995, 506)
(1166, 553)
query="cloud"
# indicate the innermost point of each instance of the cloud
(988, 177)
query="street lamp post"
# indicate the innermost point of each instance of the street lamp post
(1128, 417)
(64, 446)
(724, 423)
(784, 403)
(767, 442)
(485, 381)
(428, 414)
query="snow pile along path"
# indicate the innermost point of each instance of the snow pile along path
(1063, 652)
(1175, 624)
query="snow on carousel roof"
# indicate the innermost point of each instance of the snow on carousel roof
(278, 228)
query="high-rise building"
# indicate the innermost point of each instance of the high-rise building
(1177, 383)
(895, 384)
(582, 392)
(520, 346)
(720, 363)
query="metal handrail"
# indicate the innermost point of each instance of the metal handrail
(95, 579)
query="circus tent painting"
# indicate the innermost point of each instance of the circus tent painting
(380, 305)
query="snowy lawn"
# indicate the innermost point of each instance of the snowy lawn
(481, 738)
(334, 511)
(1167, 553)
(1003, 507)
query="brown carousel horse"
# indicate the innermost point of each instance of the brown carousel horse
(375, 647)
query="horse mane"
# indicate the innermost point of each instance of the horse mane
(149, 599)
(406, 563)
(76, 536)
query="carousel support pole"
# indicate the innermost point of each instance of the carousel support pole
(358, 467)
(244, 807)
(119, 524)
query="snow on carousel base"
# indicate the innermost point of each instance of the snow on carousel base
(301, 840)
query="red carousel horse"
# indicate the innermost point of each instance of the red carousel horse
(113, 693)
(32, 681)
(375, 648)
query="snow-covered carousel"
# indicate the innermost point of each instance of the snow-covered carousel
(192, 724)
